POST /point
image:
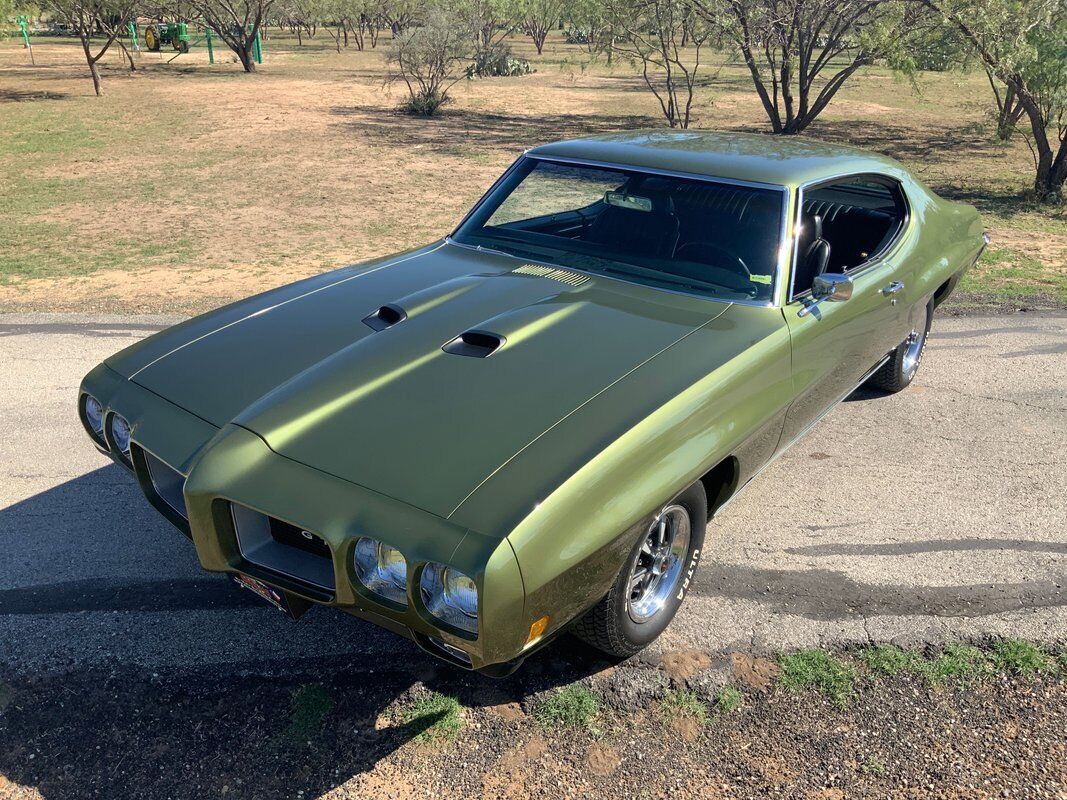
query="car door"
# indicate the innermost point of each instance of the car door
(836, 344)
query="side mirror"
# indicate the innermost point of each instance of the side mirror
(830, 287)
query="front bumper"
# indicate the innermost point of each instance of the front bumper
(234, 467)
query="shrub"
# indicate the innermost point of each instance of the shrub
(429, 59)
(496, 61)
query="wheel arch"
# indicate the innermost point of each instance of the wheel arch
(721, 483)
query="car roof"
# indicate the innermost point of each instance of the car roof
(754, 158)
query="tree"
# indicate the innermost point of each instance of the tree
(650, 32)
(237, 22)
(428, 59)
(801, 52)
(592, 24)
(537, 18)
(1023, 44)
(489, 20)
(85, 18)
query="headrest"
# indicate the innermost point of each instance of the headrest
(816, 227)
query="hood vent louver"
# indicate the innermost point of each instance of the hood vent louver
(552, 273)
(475, 344)
(385, 317)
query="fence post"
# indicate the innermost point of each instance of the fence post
(258, 49)
(26, 39)
(210, 49)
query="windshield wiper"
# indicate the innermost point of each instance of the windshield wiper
(661, 277)
(592, 263)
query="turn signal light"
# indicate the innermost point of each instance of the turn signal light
(537, 630)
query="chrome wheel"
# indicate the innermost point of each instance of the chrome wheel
(658, 565)
(913, 350)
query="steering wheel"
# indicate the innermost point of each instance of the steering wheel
(714, 256)
(722, 261)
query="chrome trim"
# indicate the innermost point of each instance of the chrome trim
(871, 262)
(677, 173)
(783, 237)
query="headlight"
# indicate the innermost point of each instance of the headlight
(382, 569)
(450, 596)
(94, 414)
(120, 434)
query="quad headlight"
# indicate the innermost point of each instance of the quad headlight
(120, 434)
(382, 569)
(94, 415)
(450, 596)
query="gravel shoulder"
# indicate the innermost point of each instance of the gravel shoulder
(340, 730)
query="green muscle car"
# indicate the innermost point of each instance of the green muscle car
(525, 427)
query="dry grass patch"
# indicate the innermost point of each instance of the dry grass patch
(188, 185)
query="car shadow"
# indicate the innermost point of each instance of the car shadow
(126, 671)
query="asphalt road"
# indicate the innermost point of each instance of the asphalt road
(937, 513)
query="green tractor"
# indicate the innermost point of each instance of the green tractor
(162, 33)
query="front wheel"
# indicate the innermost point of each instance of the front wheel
(652, 583)
(899, 371)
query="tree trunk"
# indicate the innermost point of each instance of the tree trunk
(247, 60)
(84, 37)
(129, 57)
(1051, 175)
(1010, 113)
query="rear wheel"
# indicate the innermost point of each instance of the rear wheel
(903, 364)
(652, 583)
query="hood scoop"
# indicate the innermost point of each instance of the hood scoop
(385, 317)
(475, 344)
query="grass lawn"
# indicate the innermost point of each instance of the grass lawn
(188, 184)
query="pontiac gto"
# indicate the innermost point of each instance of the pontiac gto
(525, 427)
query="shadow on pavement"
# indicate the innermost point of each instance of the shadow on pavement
(275, 720)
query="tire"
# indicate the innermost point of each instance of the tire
(622, 625)
(903, 364)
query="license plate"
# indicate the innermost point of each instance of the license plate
(275, 597)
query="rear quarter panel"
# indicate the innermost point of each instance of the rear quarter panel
(950, 240)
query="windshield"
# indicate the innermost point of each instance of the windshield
(700, 236)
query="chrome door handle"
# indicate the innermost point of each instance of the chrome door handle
(893, 288)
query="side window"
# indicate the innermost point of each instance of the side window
(845, 224)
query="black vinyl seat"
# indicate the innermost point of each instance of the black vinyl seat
(813, 253)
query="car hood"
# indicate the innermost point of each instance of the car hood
(390, 409)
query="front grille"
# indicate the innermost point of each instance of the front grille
(280, 547)
(168, 483)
